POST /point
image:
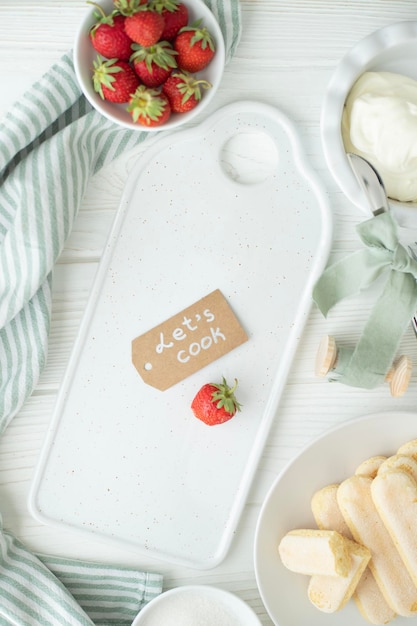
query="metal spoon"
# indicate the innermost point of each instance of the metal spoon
(371, 183)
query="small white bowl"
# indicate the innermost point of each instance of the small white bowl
(196, 604)
(391, 49)
(84, 55)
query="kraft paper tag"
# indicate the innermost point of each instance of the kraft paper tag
(186, 342)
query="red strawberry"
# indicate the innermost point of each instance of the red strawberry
(195, 47)
(114, 80)
(183, 91)
(174, 20)
(175, 14)
(109, 38)
(149, 107)
(154, 64)
(215, 403)
(144, 27)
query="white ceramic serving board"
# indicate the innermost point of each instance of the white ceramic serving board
(232, 205)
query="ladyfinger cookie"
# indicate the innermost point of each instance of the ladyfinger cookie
(331, 593)
(357, 506)
(370, 601)
(311, 551)
(401, 462)
(367, 595)
(409, 448)
(326, 510)
(394, 493)
(370, 466)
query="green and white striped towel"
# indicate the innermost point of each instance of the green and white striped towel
(51, 142)
(55, 591)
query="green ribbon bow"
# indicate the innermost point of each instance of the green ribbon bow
(375, 352)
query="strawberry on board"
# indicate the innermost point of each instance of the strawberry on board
(145, 26)
(195, 47)
(114, 80)
(153, 64)
(215, 403)
(183, 91)
(175, 14)
(149, 107)
(109, 37)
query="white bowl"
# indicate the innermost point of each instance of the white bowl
(196, 604)
(392, 49)
(84, 55)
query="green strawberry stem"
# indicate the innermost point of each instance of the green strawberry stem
(168, 5)
(224, 397)
(161, 53)
(201, 35)
(147, 102)
(101, 16)
(98, 6)
(128, 7)
(103, 74)
(190, 86)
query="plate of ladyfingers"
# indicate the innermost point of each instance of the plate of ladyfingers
(337, 533)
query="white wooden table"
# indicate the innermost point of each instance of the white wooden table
(286, 57)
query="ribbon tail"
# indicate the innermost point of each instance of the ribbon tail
(377, 347)
(348, 277)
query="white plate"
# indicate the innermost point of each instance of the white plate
(391, 49)
(329, 459)
(193, 604)
(131, 463)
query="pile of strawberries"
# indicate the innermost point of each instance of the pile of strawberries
(148, 57)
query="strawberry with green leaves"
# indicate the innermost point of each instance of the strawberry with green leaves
(109, 37)
(175, 14)
(114, 80)
(149, 107)
(183, 91)
(145, 26)
(215, 403)
(195, 47)
(153, 64)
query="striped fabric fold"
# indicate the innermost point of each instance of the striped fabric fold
(30, 594)
(54, 591)
(109, 595)
(51, 143)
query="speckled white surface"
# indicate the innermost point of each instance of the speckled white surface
(130, 463)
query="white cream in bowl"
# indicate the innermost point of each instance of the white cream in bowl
(380, 123)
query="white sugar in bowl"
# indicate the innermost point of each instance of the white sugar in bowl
(196, 604)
